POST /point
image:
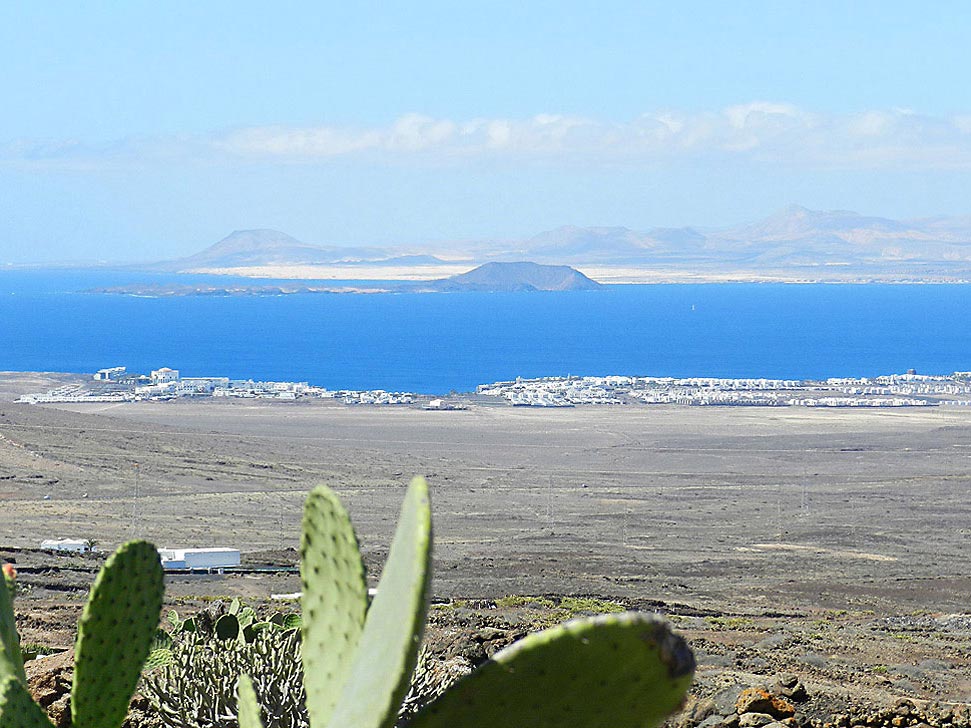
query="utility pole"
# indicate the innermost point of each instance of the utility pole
(550, 507)
(134, 506)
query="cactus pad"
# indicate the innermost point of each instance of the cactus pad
(11, 660)
(334, 601)
(227, 627)
(115, 635)
(388, 648)
(613, 671)
(249, 707)
(17, 709)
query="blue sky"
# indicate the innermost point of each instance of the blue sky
(143, 130)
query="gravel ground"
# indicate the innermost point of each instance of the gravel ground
(829, 544)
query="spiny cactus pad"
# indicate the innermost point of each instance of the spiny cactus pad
(17, 708)
(115, 635)
(249, 707)
(227, 627)
(334, 601)
(613, 671)
(388, 648)
(11, 660)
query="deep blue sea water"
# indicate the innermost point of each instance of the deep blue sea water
(434, 343)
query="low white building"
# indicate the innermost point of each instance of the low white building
(200, 385)
(74, 545)
(206, 559)
(109, 373)
(163, 375)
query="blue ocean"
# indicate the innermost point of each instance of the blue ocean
(435, 343)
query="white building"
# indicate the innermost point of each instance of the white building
(200, 385)
(104, 375)
(163, 375)
(74, 545)
(205, 559)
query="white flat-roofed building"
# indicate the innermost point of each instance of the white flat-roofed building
(109, 373)
(201, 385)
(163, 375)
(74, 545)
(199, 558)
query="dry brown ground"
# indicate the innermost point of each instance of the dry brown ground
(829, 543)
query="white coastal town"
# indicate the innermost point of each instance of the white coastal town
(117, 384)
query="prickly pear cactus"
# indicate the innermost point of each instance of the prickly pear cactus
(115, 635)
(388, 649)
(249, 707)
(613, 671)
(334, 601)
(17, 708)
(227, 627)
(11, 659)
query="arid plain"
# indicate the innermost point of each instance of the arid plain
(748, 524)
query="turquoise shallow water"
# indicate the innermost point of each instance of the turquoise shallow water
(439, 342)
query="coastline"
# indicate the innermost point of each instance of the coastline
(607, 275)
(115, 386)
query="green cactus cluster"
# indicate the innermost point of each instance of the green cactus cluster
(115, 634)
(431, 678)
(192, 671)
(180, 625)
(622, 670)
(194, 684)
(190, 678)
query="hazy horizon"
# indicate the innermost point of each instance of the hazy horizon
(147, 132)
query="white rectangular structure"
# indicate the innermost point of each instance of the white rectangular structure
(205, 559)
(74, 545)
(109, 373)
(160, 376)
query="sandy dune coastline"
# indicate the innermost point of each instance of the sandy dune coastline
(599, 273)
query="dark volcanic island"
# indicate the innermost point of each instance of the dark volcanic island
(497, 277)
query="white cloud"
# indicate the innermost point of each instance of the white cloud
(760, 132)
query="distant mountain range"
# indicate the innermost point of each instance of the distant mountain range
(795, 240)
(249, 248)
(795, 236)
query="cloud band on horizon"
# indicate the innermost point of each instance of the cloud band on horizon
(757, 132)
